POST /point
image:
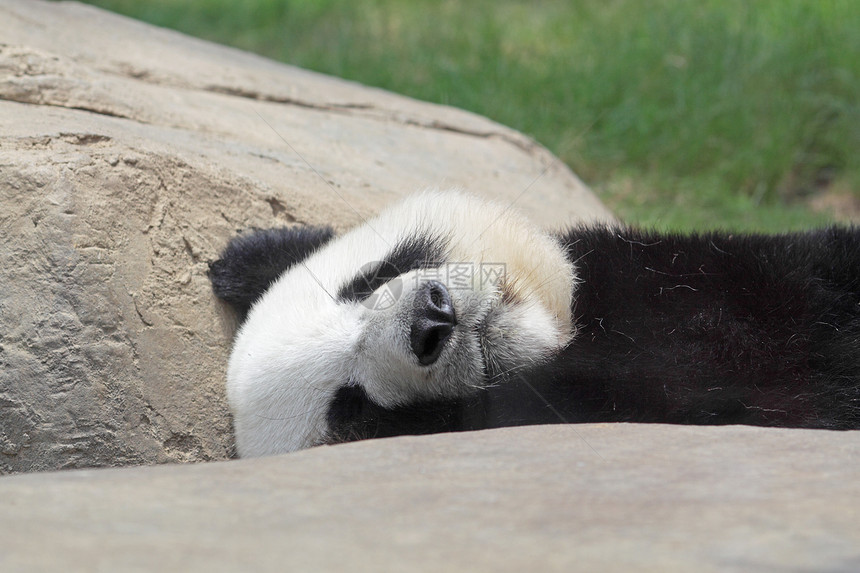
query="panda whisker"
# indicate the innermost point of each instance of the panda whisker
(582, 256)
(316, 280)
(498, 378)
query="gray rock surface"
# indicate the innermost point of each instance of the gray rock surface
(129, 155)
(602, 498)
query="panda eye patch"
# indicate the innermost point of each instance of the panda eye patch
(410, 254)
(371, 277)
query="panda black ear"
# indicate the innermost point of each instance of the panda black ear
(251, 263)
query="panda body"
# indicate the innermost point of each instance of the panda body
(449, 313)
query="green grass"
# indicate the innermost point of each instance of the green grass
(679, 113)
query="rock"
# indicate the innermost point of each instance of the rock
(620, 497)
(129, 155)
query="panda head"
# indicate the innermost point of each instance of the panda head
(436, 298)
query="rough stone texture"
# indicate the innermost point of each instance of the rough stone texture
(129, 155)
(553, 498)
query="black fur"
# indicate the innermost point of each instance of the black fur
(354, 416)
(704, 329)
(251, 263)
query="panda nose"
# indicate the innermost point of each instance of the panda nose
(432, 322)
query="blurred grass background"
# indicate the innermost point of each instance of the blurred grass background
(679, 113)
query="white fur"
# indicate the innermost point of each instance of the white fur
(299, 345)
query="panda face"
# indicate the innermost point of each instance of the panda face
(432, 300)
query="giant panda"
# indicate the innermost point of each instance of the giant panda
(449, 313)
